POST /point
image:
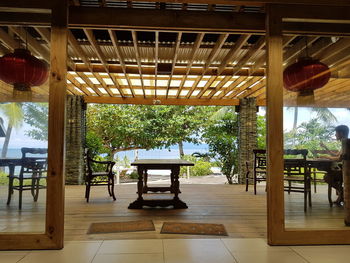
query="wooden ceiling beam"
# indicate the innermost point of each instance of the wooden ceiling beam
(337, 60)
(161, 101)
(260, 85)
(317, 29)
(191, 57)
(233, 53)
(170, 20)
(206, 87)
(30, 19)
(118, 52)
(290, 55)
(249, 54)
(232, 86)
(299, 3)
(97, 49)
(32, 42)
(335, 48)
(194, 87)
(301, 11)
(156, 57)
(241, 88)
(138, 59)
(219, 86)
(80, 52)
(214, 52)
(89, 83)
(219, 43)
(8, 40)
(46, 36)
(177, 71)
(175, 53)
(260, 62)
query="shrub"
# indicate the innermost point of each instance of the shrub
(200, 168)
(134, 175)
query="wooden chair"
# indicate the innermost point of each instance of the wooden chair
(259, 169)
(297, 176)
(33, 169)
(98, 173)
(315, 171)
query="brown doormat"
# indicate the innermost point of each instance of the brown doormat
(116, 227)
(193, 229)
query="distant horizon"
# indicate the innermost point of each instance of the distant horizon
(19, 138)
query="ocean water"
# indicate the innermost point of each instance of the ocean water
(172, 153)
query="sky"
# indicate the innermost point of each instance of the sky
(19, 139)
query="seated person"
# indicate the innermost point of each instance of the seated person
(335, 177)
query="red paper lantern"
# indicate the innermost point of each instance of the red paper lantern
(22, 70)
(305, 76)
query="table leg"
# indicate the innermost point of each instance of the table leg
(139, 201)
(176, 188)
(145, 179)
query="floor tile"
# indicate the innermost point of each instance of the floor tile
(196, 250)
(77, 252)
(324, 254)
(268, 256)
(251, 244)
(10, 258)
(152, 246)
(128, 258)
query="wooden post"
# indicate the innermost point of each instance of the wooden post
(274, 90)
(346, 179)
(57, 120)
(188, 173)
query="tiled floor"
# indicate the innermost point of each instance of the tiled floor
(228, 250)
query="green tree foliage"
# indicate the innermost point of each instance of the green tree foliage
(309, 135)
(261, 130)
(222, 138)
(36, 115)
(14, 114)
(129, 127)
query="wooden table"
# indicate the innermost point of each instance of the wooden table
(143, 165)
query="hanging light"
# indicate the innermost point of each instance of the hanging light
(23, 70)
(305, 76)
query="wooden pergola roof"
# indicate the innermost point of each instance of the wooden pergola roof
(173, 65)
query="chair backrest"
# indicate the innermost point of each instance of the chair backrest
(297, 152)
(88, 161)
(297, 164)
(260, 160)
(35, 164)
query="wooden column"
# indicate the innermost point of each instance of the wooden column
(57, 116)
(274, 94)
(346, 179)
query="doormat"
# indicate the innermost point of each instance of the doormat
(193, 229)
(116, 227)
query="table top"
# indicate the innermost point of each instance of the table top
(162, 162)
(10, 161)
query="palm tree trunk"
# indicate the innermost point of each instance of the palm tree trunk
(295, 123)
(7, 141)
(181, 149)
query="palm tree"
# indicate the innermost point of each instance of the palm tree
(14, 114)
(324, 114)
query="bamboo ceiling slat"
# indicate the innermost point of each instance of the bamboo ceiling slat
(125, 63)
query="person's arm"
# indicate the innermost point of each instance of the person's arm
(332, 155)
